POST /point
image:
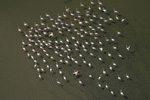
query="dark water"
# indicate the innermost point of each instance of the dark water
(18, 80)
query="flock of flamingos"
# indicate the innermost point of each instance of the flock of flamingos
(73, 39)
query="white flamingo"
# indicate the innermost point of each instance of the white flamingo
(101, 49)
(115, 11)
(41, 18)
(24, 49)
(25, 24)
(127, 76)
(80, 82)
(104, 72)
(92, 3)
(121, 93)
(40, 76)
(111, 92)
(100, 77)
(128, 47)
(50, 69)
(110, 67)
(19, 29)
(100, 3)
(99, 85)
(58, 82)
(119, 78)
(60, 72)
(106, 86)
(47, 15)
(81, 4)
(90, 76)
(47, 66)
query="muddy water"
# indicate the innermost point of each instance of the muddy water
(18, 79)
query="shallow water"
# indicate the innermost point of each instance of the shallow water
(18, 79)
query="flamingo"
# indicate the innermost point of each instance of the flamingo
(100, 77)
(122, 20)
(66, 61)
(104, 72)
(89, 64)
(114, 64)
(76, 72)
(32, 57)
(38, 54)
(91, 53)
(117, 18)
(35, 61)
(47, 15)
(84, 61)
(50, 69)
(93, 48)
(100, 3)
(24, 49)
(51, 19)
(41, 18)
(40, 76)
(64, 77)
(85, 49)
(121, 93)
(110, 19)
(60, 55)
(80, 55)
(111, 92)
(60, 72)
(61, 61)
(99, 8)
(127, 76)
(67, 9)
(80, 82)
(72, 24)
(23, 43)
(128, 47)
(115, 11)
(99, 58)
(106, 86)
(35, 65)
(72, 14)
(25, 24)
(100, 42)
(44, 60)
(47, 66)
(57, 66)
(110, 67)
(26, 35)
(101, 49)
(112, 39)
(28, 54)
(42, 70)
(76, 61)
(90, 76)
(120, 55)
(58, 82)
(86, 42)
(38, 70)
(77, 11)
(92, 3)
(119, 78)
(81, 4)
(64, 15)
(99, 85)
(19, 29)
(109, 54)
(114, 47)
